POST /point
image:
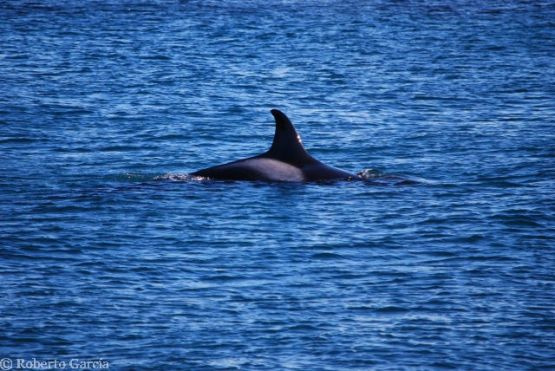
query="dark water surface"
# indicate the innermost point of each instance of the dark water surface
(108, 250)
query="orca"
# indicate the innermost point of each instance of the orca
(285, 161)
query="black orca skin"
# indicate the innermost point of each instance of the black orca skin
(285, 161)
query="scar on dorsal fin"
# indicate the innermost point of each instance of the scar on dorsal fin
(287, 145)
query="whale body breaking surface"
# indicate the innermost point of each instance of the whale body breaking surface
(286, 161)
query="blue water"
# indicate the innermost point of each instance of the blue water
(110, 251)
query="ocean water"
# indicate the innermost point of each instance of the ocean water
(443, 259)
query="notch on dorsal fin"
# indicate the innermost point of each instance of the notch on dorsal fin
(287, 145)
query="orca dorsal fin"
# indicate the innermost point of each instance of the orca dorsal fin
(287, 145)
